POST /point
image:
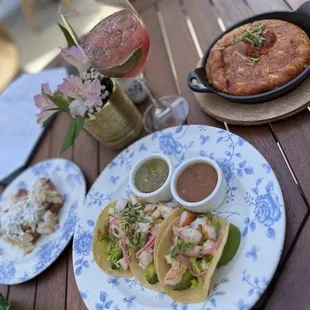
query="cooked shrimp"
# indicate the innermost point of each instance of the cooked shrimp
(143, 227)
(198, 223)
(120, 205)
(134, 199)
(190, 234)
(175, 274)
(123, 264)
(145, 258)
(187, 218)
(150, 207)
(164, 209)
(208, 245)
(209, 232)
(156, 214)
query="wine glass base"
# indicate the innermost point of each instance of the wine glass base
(173, 111)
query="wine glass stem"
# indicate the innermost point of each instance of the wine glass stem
(144, 83)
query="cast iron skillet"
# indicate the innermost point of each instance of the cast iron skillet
(197, 79)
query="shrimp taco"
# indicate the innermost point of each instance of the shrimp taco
(124, 238)
(188, 252)
(111, 248)
(155, 216)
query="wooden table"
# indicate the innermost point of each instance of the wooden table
(180, 31)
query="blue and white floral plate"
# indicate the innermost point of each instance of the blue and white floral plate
(254, 203)
(17, 267)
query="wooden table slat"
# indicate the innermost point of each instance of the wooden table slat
(51, 284)
(201, 14)
(22, 296)
(74, 300)
(295, 206)
(157, 69)
(294, 136)
(263, 6)
(185, 56)
(4, 290)
(231, 11)
(293, 288)
(295, 3)
(86, 156)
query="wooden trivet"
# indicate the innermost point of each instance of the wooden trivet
(259, 113)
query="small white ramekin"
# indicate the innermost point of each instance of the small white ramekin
(213, 200)
(161, 194)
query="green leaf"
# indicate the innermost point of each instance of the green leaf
(231, 247)
(79, 123)
(67, 35)
(69, 137)
(4, 304)
(72, 133)
(61, 103)
(50, 119)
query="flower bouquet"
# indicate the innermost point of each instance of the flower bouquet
(94, 101)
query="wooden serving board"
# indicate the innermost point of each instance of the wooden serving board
(256, 114)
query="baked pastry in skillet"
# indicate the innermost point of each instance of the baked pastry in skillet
(258, 57)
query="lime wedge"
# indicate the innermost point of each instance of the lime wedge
(127, 66)
(232, 245)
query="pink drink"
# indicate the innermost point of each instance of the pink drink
(118, 45)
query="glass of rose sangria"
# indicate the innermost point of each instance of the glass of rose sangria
(115, 40)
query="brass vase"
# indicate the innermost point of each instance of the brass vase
(118, 124)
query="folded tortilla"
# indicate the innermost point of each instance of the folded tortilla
(137, 271)
(164, 244)
(100, 246)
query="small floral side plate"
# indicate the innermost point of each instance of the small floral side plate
(17, 267)
(253, 202)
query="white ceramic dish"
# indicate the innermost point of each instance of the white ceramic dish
(17, 267)
(161, 194)
(254, 203)
(213, 200)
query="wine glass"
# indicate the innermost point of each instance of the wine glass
(115, 40)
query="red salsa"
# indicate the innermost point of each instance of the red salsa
(197, 182)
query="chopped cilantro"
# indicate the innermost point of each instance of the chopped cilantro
(185, 246)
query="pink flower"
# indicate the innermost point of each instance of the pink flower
(44, 104)
(86, 94)
(75, 57)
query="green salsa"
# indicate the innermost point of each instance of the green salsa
(151, 175)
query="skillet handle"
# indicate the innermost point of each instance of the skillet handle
(196, 81)
(304, 8)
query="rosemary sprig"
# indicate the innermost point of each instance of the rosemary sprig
(250, 61)
(254, 35)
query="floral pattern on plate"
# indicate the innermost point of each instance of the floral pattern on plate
(15, 266)
(253, 202)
